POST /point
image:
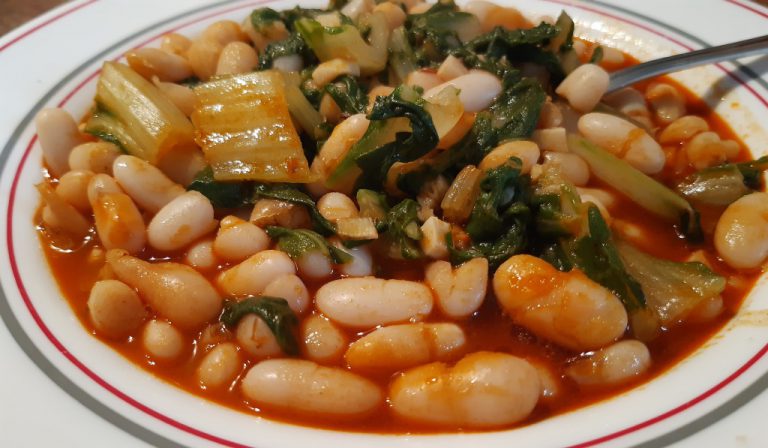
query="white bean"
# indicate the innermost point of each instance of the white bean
(145, 183)
(308, 388)
(618, 363)
(224, 32)
(482, 390)
(667, 103)
(256, 338)
(181, 221)
(250, 277)
(334, 206)
(162, 341)
(97, 157)
(367, 301)
(119, 223)
(314, 265)
(565, 307)
(292, 289)
(394, 14)
(289, 63)
(329, 70)
(57, 134)
(182, 164)
(272, 212)
(706, 149)
(219, 367)
(115, 309)
(396, 347)
(451, 68)
(150, 62)
(181, 96)
(175, 43)
(623, 139)
(203, 56)
(584, 87)
(174, 290)
(238, 239)
(333, 151)
(102, 183)
(460, 291)
(573, 167)
(528, 152)
(424, 79)
(550, 116)
(741, 235)
(73, 188)
(60, 215)
(324, 342)
(361, 264)
(235, 58)
(682, 129)
(200, 255)
(477, 89)
(355, 8)
(551, 139)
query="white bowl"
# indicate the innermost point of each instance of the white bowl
(729, 367)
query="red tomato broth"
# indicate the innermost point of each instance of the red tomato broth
(488, 329)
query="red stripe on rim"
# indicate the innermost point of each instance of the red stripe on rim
(749, 8)
(44, 24)
(183, 427)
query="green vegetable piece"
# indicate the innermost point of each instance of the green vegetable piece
(497, 189)
(403, 232)
(671, 289)
(291, 194)
(512, 242)
(752, 172)
(643, 190)
(222, 194)
(402, 58)
(373, 205)
(298, 242)
(348, 95)
(563, 41)
(262, 18)
(293, 44)
(597, 55)
(717, 186)
(274, 311)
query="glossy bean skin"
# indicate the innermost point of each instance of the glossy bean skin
(459, 291)
(201, 256)
(219, 366)
(256, 338)
(145, 183)
(623, 139)
(57, 134)
(365, 302)
(333, 151)
(250, 277)
(616, 364)
(292, 289)
(73, 188)
(311, 389)
(115, 309)
(181, 221)
(324, 342)
(477, 89)
(396, 347)
(96, 157)
(174, 290)
(573, 167)
(236, 57)
(119, 223)
(584, 87)
(162, 341)
(741, 234)
(482, 390)
(150, 62)
(334, 206)
(565, 307)
(237, 239)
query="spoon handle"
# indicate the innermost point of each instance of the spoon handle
(735, 50)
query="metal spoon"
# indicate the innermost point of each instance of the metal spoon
(670, 64)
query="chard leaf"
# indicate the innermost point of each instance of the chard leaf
(348, 95)
(222, 194)
(438, 31)
(293, 44)
(720, 185)
(298, 242)
(408, 146)
(512, 242)
(752, 171)
(293, 195)
(262, 18)
(497, 189)
(274, 311)
(403, 232)
(672, 289)
(373, 205)
(597, 55)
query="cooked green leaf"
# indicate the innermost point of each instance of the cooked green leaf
(403, 232)
(293, 195)
(298, 242)
(348, 95)
(222, 194)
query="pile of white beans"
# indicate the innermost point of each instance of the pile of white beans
(355, 326)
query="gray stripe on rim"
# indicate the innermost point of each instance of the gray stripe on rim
(155, 439)
(9, 319)
(761, 384)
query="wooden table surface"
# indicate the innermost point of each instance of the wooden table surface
(15, 12)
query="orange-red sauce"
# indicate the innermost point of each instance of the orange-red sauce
(76, 271)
